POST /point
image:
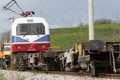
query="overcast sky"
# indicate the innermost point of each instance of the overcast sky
(61, 13)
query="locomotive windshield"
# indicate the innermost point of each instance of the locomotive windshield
(7, 48)
(30, 29)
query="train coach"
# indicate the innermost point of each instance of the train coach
(30, 44)
(104, 57)
(95, 56)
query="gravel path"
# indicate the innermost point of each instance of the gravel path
(14, 75)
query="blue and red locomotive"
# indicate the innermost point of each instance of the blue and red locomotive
(30, 44)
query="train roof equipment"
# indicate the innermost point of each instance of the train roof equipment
(22, 12)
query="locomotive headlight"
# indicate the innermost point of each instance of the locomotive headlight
(20, 47)
(43, 46)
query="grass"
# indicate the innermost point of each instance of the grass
(67, 37)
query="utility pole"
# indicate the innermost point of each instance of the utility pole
(91, 19)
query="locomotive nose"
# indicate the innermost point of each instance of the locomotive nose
(31, 45)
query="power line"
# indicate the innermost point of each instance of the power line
(39, 3)
(43, 6)
(73, 6)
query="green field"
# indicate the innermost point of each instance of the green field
(67, 37)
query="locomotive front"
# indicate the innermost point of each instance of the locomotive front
(30, 35)
(30, 43)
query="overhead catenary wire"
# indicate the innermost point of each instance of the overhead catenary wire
(43, 7)
(72, 7)
(66, 12)
(39, 3)
(68, 20)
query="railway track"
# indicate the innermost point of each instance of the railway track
(110, 76)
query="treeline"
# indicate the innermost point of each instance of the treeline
(5, 36)
(101, 21)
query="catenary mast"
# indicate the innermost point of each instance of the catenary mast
(91, 19)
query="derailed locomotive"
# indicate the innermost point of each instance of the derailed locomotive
(30, 44)
(94, 56)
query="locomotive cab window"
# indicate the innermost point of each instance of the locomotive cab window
(30, 29)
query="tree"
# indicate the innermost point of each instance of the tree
(103, 21)
(5, 36)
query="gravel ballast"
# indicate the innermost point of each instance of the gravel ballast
(16, 75)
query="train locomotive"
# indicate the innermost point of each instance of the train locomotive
(30, 44)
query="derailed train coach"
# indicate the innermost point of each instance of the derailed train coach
(30, 44)
(104, 57)
(94, 57)
(76, 58)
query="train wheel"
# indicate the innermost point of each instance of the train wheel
(92, 69)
